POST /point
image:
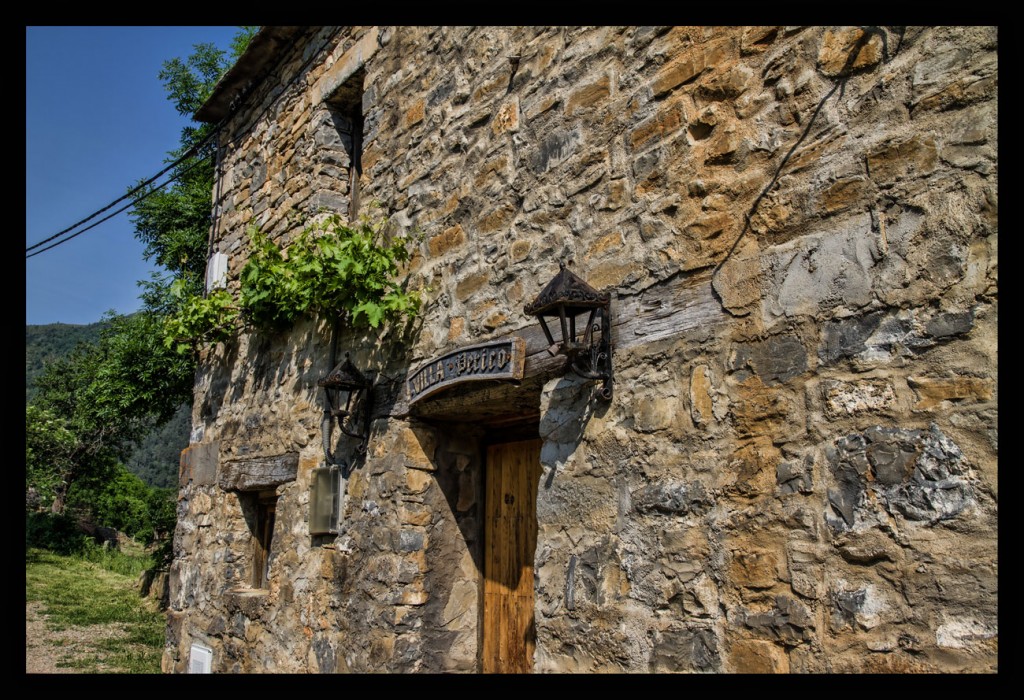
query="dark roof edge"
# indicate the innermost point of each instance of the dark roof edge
(262, 50)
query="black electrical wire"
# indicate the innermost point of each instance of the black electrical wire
(112, 215)
(188, 154)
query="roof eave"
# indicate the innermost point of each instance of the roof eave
(264, 47)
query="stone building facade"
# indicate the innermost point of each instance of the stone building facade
(796, 471)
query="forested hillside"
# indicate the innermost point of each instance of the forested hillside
(155, 458)
(43, 343)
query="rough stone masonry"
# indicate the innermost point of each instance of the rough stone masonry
(797, 471)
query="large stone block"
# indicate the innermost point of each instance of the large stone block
(496, 220)
(588, 95)
(920, 475)
(806, 570)
(255, 473)
(665, 122)
(843, 399)
(682, 70)
(847, 337)
(198, 463)
(759, 410)
(682, 649)
(673, 498)
(754, 568)
(446, 241)
(933, 392)
(752, 468)
(817, 273)
(846, 50)
(775, 359)
(914, 157)
(469, 284)
(738, 281)
(555, 147)
(788, 621)
(701, 401)
(754, 656)
(414, 113)
(844, 194)
(506, 120)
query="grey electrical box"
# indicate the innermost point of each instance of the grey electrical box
(324, 500)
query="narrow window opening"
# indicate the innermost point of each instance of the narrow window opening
(263, 535)
(356, 160)
(346, 106)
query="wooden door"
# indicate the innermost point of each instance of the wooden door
(510, 537)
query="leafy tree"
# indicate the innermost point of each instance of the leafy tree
(121, 500)
(47, 342)
(93, 404)
(174, 223)
(156, 457)
(68, 395)
(49, 451)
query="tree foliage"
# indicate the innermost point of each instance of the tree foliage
(49, 453)
(157, 456)
(174, 223)
(121, 500)
(93, 404)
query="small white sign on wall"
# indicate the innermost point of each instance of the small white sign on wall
(217, 272)
(200, 659)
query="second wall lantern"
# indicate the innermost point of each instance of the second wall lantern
(587, 346)
(349, 394)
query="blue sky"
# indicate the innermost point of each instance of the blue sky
(97, 121)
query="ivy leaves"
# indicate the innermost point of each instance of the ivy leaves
(198, 320)
(330, 269)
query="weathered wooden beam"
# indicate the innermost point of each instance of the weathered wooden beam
(666, 310)
(255, 473)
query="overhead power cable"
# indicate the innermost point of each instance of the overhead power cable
(112, 215)
(191, 151)
(188, 154)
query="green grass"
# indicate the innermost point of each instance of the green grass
(78, 592)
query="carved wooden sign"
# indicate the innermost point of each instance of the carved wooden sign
(501, 359)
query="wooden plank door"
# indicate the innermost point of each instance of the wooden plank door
(510, 537)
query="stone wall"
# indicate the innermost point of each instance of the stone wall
(797, 471)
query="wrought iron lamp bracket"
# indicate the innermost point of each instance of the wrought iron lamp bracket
(354, 417)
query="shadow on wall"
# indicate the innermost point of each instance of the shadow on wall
(566, 407)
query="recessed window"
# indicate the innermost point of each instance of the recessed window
(263, 535)
(346, 108)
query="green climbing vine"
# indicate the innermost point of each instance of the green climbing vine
(332, 268)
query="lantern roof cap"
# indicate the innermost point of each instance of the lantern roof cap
(344, 376)
(567, 289)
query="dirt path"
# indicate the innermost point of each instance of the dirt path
(49, 651)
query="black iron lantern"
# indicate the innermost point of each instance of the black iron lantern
(349, 397)
(587, 346)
